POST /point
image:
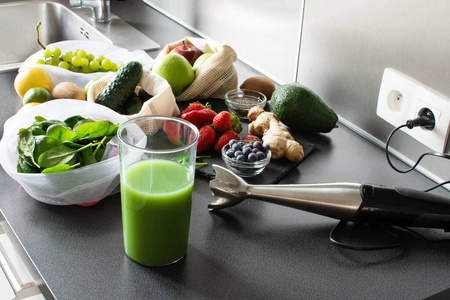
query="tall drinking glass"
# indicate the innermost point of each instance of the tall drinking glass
(157, 170)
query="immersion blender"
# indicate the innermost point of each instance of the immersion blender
(363, 203)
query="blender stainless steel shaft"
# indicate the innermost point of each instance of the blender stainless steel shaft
(365, 203)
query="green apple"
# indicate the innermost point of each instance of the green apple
(176, 69)
(88, 85)
(199, 61)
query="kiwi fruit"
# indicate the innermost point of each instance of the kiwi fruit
(67, 90)
(261, 84)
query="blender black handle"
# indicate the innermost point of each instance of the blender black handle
(403, 207)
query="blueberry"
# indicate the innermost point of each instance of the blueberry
(237, 153)
(229, 153)
(246, 151)
(236, 147)
(232, 142)
(258, 145)
(252, 157)
(255, 150)
(266, 147)
(240, 158)
(261, 155)
(242, 144)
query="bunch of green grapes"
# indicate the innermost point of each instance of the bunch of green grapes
(77, 61)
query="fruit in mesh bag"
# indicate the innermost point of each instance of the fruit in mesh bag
(36, 95)
(176, 70)
(189, 51)
(201, 60)
(68, 90)
(32, 77)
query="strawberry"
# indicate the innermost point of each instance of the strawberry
(224, 138)
(195, 106)
(222, 121)
(199, 117)
(206, 138)
(252, 138)
(173, 131)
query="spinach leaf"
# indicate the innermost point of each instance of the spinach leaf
(72, 144)
(88, 157)
(58, 168)
(61, 133)
(99, 152)
(42, 144)
(36, 130)
(81, 122)
(26, 145)
(39, 119)
(24, 167)
(92, 130)
(112, 131)
(58, 155)
(72, 121)
(44, 123)
(49, 146)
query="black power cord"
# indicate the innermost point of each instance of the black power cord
(341, 233)
(425, 120)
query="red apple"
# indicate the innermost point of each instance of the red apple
(190, 52)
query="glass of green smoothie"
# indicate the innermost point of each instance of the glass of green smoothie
(157, 170)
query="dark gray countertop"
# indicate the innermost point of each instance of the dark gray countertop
(254, 250)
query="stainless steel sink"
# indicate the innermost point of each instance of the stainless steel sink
(18, 39)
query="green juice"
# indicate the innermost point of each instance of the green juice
(156, 211)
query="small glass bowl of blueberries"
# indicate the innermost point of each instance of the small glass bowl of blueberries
(246, 159)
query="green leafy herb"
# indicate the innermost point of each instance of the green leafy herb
(26, 146)
(61, 133)
(49, 146)
(184, 159)
(59, 168)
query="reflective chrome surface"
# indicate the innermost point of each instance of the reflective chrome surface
(101, 9)
(336, 200)
(58, 23)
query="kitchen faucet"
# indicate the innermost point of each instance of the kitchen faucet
(100, 8)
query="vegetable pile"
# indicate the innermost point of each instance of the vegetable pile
(49, 146)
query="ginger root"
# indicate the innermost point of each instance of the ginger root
(267, 125)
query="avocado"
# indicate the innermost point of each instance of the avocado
(301, 109)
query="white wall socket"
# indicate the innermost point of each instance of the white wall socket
(401, 98)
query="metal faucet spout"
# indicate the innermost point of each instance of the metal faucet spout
(101, 8)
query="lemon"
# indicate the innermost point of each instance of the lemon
(32, 77)
(37, 95)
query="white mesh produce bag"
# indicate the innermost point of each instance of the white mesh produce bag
(216, 76)
(162, 101)
(78, 186)
(116, 54)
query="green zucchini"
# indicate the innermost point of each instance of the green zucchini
(118, 89)
(143, 95)
(132, 106)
